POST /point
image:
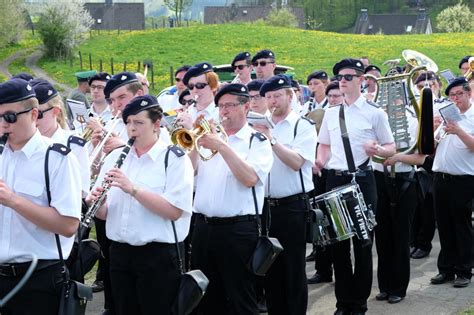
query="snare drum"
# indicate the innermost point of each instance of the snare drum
(345, 215)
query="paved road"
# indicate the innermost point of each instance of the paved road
(422, 298)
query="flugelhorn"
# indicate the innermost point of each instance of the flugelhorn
(188, 139)
(88, 218)
(3, 142)
(87, 133)
(468, 75)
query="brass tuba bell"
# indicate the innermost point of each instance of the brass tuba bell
(188, 139)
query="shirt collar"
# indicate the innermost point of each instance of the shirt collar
(244, 132)
(32, 145)
(156, 150)
(470, 112)
(292, 117)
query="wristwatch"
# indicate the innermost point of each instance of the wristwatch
(273, 141)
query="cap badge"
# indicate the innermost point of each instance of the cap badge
(270, 54)
(242, 89)
(281, 81)
(144, 103)
(358, 64)
(28, 87)
(204, 66)
(124, 77)
(108, 77)
(50, 92)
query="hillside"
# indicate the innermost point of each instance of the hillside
(301, 49)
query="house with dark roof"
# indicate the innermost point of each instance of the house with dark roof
(113, 16)
(244, 13)
(391, 24)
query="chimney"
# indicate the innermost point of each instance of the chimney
(364, 15)
(421, 14)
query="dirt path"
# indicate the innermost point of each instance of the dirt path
(5, 63)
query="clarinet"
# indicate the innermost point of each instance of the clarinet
(3, 142)
(87, 220)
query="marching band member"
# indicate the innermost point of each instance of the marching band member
(257, 102)
(144, 198)
(225, 232)
(317, 83)
(186, 101)
(367, 126)
(464, 65)
(169, 99)
(202, 82)
(242, 67)
(99, 107)
(453, 195)
(82, 89)
(322, 254)
(293, 143)
(264, 64)
(27, 221)
(51, 123)
(370, 84)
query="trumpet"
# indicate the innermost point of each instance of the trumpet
(468, 75)
(87, 132)
(87, 220)
(236, 79)
(188, 139)
(105, 136)
(440, 133)
(3, 142)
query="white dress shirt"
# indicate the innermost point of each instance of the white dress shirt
(218, 192)
(130, 222)
(452, 155)
(284, 181)
(82, 155)
(314, 105)
(105, 116)
(23, 172)
(364, 123)
(210, 112)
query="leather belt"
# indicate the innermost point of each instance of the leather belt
(450, 176)
(360, 172)
(275, 202)
(19, 269)
(224, 221)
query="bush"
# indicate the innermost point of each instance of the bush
(11, 22)
(457, 18)
(282, 17)
(62, 26)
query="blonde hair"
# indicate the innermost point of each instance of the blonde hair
(213, 80)
(30, 103)
(57, 102)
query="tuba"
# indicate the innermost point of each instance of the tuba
(188, 139)
(394, 93)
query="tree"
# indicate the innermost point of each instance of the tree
(281, 17)
(178, 6)
(457, 18)
(11, 21)
(62, 26)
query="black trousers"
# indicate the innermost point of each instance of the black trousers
(322, 261)
(423, 224)
(285, 283)
(39, 296)
(103, 270)
(395, 206)
(222, 252)
(145, 279)
(453, 200)
(353, 287)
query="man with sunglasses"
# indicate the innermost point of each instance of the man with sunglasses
(242, 67)
(453, 194)
(28, 221)
(225, 232)
(169, 98)
(369, 134)
(293, 141)
(264, 64)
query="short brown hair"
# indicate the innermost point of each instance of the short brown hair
(134, 87)
(213, 80)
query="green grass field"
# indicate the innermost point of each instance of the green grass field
(26, 44)
(301, 49)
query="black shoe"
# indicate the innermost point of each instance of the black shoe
(441, 278)
(262, 306)
(342, 312)
(98, 286)
(419, 253)
(412, 250)
(461, 282)
(382, 296)
(317, 278)
(393, 299)
(311, 257)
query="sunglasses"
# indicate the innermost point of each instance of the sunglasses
(334, 95)
(261, 63)
(177, 79)
(347, 77)
(11, 117)
(198, 86)
(240, 67)
(189, 102)
(41, 112)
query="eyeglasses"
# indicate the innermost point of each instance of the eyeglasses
(98, 87)
(177, 79)
(261, 63)
(240, 67)
(458, 94)
(334, 95)
(189, 102)
(256, 97)
(227, 105)
(11, 117)
(198, 86)
(41, 112)
(347, 77)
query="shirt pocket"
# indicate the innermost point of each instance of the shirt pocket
(153, 181)
(31, 190)
(458, 144)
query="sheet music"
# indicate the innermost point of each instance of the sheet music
(79, 114)
(450, 113)
(254, 118)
